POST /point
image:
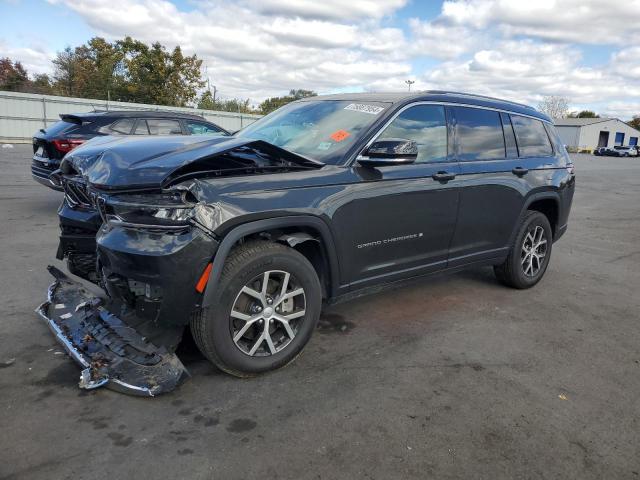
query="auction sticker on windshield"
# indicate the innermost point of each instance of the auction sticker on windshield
(339, 135)
(364, 108)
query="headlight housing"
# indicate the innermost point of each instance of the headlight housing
(165, 211)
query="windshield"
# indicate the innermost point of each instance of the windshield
(318, 129)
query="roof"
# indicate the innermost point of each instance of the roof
(436, 96)
(137, 113)
(579, 122)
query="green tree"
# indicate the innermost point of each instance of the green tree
(587, 114)
(159, 77)
(273, 103)
(128, 70)
(207, 102)
(42, 83)
(13, 76)
(634, 122)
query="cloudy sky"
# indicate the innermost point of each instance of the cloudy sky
(585, 50)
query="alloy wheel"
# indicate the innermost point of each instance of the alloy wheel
(534, 250)
(267, 312)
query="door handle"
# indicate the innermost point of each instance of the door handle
(520, 171)
(443, 176)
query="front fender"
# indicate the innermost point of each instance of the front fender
(249, 228)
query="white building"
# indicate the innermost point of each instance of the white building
(590, 133)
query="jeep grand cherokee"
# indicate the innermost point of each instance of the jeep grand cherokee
(242, 239)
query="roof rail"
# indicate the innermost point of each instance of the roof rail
(473, 95)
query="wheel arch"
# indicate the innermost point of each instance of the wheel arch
(299, 232)
(547, 203)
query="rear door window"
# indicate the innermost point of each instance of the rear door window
(123, 126)
(141, 128)
(424, 124)
(161, 126)
(479, 134)
(532, 137)
(201, 128)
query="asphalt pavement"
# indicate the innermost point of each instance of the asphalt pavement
(450, 377)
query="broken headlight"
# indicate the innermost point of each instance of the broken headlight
(166, 211)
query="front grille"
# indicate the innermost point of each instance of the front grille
(76, 193)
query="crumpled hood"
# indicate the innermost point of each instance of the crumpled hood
(146, 162)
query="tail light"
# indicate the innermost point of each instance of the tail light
(66, 145)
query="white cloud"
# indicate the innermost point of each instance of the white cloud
(623, 110)
(516, 50)
(336, 10)
(35, 59)
(441, 40)
(626, 63)
(588, 22)
(526, 70)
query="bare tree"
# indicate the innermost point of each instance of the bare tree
(554, 106)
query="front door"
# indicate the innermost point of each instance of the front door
(398, 220)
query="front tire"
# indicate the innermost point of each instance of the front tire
(529, 254)
(266, 307)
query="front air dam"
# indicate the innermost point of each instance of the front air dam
(111, 353)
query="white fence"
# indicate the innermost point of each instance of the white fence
(22, 114)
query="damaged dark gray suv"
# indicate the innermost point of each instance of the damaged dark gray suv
(243, 238)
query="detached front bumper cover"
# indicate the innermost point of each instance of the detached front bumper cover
(112, 353)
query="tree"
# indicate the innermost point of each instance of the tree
(13, 76)
(42, 84)
(634, 122)
(273, 103)
(128, 70)
(554, 106)
(587, 114)
(157, 76)
(206, 102)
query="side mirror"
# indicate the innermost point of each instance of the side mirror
(392, 151)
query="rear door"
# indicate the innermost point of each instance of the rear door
(496, 174)
(399, 220)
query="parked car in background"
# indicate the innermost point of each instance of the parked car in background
(623, 151)
(51, 144)
(600, 151)
(244, 238)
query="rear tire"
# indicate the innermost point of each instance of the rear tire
(252, 328)
(529, 254)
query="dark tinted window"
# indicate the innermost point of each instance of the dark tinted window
(201, 128)
(160, 126)
(123, 126)
(509, 136)
(141, 128)
(427, 126)
(61, 127)
(480, 134)
(532, 137)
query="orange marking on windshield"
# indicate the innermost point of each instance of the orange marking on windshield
(339, 135)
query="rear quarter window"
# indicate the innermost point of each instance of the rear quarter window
(62, 127)
(531, 136)
(123, 126)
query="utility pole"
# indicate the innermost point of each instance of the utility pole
(409, 82)
(215, 90)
